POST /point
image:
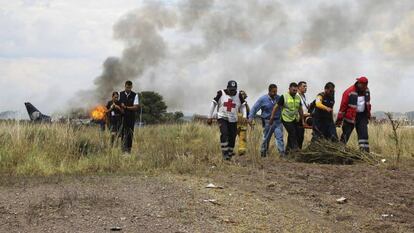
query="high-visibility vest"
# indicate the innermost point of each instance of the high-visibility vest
(290, 110)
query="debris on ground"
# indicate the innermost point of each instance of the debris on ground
(341, 200)
(271, 185)
(213, 186)
(327, 152)
(387, 215)
(213, 201)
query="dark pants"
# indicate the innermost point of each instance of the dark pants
(324, 128)
(292, 129)
(115, 128)
(301, 135)
(127, 134)
(228, 135)
(361, 126)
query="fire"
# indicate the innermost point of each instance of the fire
(98, 113)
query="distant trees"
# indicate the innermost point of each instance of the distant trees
(154, 109)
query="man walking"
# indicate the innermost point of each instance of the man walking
(114, 113)
(130, 103)
(323, 123)
(228, 103)
(292, 116)
(355, 112)
(266, 103)
(302, 89)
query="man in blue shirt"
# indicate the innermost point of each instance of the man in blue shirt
(266, 104)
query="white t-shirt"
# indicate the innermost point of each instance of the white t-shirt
(361, 104)
(305, 105)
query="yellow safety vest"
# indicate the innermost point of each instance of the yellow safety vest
(290, 110)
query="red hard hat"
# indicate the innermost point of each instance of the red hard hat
(362, 80)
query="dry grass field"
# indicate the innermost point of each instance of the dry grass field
(32, 149)
(59, 178)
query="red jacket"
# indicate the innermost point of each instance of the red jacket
(348, 109)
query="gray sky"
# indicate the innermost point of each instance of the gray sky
(52, 49)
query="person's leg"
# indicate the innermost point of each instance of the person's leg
(267, 135)
(279, 139)
(331, 131)
(325, 129)
(232, 129)
(300, 130)
(362, 131)
(242, 132)
(129, 137)
(119, 130)
(292, 143)
(316, 130)
(298, 126)
(131, 140)
(113, 136)
(347, 129)
(224, 137)
(112, 130)
(126, 142)
(124, 135)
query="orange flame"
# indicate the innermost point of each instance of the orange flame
(98, 113)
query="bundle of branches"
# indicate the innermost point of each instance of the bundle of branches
(327, 152)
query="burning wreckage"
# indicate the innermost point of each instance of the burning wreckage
(97, 116)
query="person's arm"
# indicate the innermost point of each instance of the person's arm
(211, 112)
(274, 111)
(212, 109)
(368, 104)
(213, 106)
(301, 115)
(255, 109)
(320, 105)
(343, 108)
(276, 108)
(135, 106)
(108, 107)
(119, 108)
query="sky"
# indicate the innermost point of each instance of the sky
(52, 51)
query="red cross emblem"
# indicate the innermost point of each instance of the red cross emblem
(230, 105)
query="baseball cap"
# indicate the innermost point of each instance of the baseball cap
(362, 80)
(232, 85)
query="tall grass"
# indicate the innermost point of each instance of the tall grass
(34, 149)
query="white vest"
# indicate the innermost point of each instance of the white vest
(228, 106)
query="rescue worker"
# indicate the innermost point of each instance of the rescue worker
(292, 116)
(228, 103)
(114, 113)
(130, 103)
(266, 103)
(355, 112)
(302, 89)
(242, 128)
(323, 122)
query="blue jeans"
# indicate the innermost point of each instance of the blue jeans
(268, 131)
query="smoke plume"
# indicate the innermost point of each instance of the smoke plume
(187, 50)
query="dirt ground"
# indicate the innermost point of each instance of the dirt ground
(276, 196)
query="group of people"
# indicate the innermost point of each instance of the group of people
(293, 112)
(121, 115)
